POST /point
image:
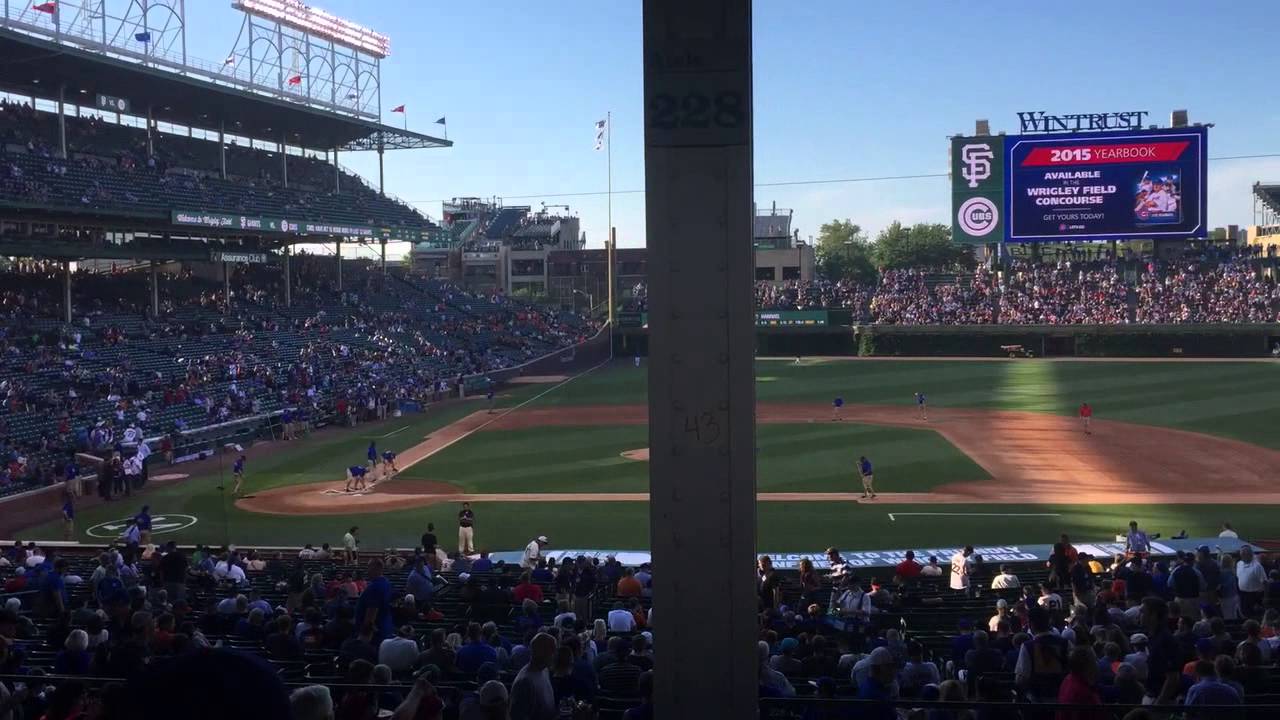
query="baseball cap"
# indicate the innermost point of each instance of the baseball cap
(1002, 603)
(543, 539)
(1137, 639)
(1203, 548)
(788, 644)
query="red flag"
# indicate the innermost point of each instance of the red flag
(48, 7)
(398, 108)
(295, 80)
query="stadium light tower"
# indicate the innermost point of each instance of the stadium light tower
(305, 53)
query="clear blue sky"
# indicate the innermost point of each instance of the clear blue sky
(843, 89)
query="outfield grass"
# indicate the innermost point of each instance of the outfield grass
(1234, 400)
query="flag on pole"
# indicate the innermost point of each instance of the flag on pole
(231, 59)
(142, 37)
(440, 121)
(295, 80)
(398, 108)
(46, 7)
(601, 127)
(352, 96)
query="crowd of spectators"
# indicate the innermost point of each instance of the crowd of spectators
(1208, 286)
(117, 375)
(431, 634)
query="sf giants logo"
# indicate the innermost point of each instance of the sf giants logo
(977, 163)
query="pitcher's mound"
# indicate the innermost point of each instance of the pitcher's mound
(642, 454)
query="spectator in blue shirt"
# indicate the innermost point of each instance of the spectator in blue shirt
(1136, 541)
(1209, 688)
(482, 563)
(879, 685)
(475, 652)
(374, 606)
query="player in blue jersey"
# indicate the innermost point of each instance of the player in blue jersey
(836, 404)
(237, 472)
(372, 453)
(922, 406)
(864, 469)
(389, 464)
(355, 477)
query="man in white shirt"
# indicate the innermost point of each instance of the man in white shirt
(1049, 600)
(1252, 579)
(1005, 580)
(35, 558)
(1228, 532)
(933, 569)
(533, 552)
(960, 569)
(227, 569)
(400, 652)
(1002, 613)
(621, 619)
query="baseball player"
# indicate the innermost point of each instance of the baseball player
(237, 472)
(922, 406)
(389, 463)
(836, 404)
(372, 453)
(355, 477)
(868, 482)
(488, 395)
(1086, 417)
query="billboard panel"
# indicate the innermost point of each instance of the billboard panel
(977, 189)
(1106, 186)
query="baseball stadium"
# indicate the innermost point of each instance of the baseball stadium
(346, 456)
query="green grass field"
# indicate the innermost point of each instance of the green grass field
(1233, 400)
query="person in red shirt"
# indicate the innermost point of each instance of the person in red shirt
(1077, 687)
(1086, 417)
(908, 568)
(628, 585)
(527, 590)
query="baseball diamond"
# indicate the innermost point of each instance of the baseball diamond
(1184, 441)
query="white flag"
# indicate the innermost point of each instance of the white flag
(231, 60)
(601, 127)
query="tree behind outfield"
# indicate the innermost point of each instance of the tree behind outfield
(923, 245)
(843, 253)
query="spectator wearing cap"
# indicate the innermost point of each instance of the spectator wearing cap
(1137, 658)
(879, 683)
(1188, 585)
(932, 568)
(533, 553)
(1002, 613)
(785, 661)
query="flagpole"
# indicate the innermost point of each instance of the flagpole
(609, 237)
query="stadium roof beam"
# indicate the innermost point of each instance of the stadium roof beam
(36, 66)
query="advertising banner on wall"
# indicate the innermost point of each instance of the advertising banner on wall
(977, 189)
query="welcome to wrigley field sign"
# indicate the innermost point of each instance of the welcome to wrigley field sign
(872, 559)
